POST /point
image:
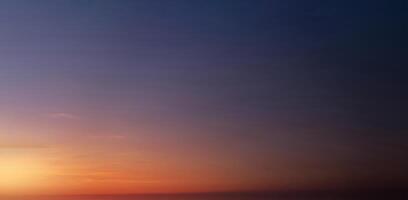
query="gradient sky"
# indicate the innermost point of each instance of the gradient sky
(195, 96)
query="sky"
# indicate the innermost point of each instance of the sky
(108, 97)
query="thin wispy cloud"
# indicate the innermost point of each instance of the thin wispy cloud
(110, 136)
(63, 115)
(21, 146)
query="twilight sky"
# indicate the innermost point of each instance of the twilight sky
(184, 96)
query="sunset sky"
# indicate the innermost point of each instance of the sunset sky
(108, 97)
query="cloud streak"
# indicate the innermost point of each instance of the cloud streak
(21, 146)
(63, 115)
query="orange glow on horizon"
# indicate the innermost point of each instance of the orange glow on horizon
(103, 164)
(24, 173)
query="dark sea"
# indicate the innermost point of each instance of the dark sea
(194, 197)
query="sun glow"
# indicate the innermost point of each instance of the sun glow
(21, 173)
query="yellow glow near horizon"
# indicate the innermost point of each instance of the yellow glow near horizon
(20, 173)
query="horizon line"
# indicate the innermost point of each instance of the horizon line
(350, 191)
